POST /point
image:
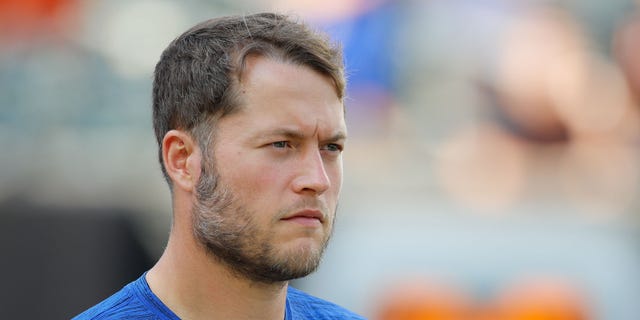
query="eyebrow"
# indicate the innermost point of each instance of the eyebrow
(297, 135)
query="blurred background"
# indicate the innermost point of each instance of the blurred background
(492, 171)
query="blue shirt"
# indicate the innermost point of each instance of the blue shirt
(137, 301)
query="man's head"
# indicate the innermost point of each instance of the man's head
(196, 80)
(256, 101)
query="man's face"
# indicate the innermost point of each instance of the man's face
(266, 205)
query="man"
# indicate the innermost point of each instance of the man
(249, 116)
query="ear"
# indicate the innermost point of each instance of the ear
(182, 158)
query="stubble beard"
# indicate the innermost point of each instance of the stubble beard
(230, 235)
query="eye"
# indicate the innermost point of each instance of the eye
(280, 144)
(333, 147)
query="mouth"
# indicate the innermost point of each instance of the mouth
(310, 218)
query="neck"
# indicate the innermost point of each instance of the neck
(194, 285)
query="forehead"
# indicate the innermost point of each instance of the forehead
(282, 94)
(250, 59)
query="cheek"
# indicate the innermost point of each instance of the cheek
(257, 180)
(269, 178)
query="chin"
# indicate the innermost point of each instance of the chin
(305, 246)
(305, 253)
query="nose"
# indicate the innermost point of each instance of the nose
(312, 175)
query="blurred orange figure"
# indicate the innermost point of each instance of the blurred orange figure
(541, 299)
(423, 300)
(23, 18)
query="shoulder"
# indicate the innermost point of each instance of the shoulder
(306, 306)
(131, 302)
(112, 307)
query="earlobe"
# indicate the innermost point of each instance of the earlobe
(178, 153)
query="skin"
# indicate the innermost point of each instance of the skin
(280, 157)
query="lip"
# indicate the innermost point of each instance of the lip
(307, 215)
